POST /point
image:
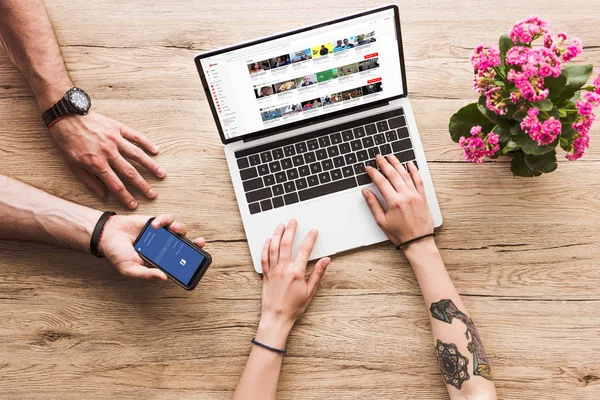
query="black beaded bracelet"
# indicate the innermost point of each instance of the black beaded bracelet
(399, 247)
(264, 346)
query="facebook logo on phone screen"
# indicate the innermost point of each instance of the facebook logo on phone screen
(170, 253)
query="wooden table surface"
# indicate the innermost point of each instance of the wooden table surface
(523, 253)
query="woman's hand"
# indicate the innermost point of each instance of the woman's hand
(117, 240)
(286, 292)
(408, 214)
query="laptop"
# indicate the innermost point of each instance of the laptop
(301, 114)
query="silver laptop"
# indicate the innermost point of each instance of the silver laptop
(301, 114)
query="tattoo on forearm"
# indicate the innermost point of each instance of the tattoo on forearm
(453, 365)
(445, 311)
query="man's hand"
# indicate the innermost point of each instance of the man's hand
(286, 292)
(408, 214)
(117, 240)
(96, 148)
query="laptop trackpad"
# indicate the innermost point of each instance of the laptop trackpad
(344, 222)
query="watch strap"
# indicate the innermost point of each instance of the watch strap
(57, 111)
(97, 233)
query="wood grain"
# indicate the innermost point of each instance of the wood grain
(523, 253)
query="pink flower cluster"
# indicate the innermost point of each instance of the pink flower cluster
(528, 30)
(566, 53)
(484, 60)
(584, 121)
(478, 146)
(542, 132)
(536, 64)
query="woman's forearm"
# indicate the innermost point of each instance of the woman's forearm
(261, 374)
(27, 213)
(461, 358)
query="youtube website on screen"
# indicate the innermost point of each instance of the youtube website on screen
(305, 75)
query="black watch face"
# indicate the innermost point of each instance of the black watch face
(79, 100)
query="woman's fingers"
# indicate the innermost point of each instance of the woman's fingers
(316, 275)
(406, 178)
(416, 177)
(306, 248)
(391, 173)
(375, 206)
(264, 258)
(384, 186)
(285, 249)
(275, 242)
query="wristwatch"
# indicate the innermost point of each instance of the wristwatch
(75, 101)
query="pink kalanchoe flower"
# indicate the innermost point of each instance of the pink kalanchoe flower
(477, 147)
(596, 82)
(543, 133)
(593, 98)
(536, 64)
(529, 29)
(494, 101)
(484, 58)
(573, 50)
(583, 107)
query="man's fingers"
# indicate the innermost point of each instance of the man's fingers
(391, 173)
(316, 275)
(162, 220)
(306, 248)
(134, 136)
(264, 258)
(285, 250)
(416, 177)
(201, 242)
(114, 184)
(179, 228)
(127, 170)
(142, 272)
(137, 154)
(275, 242)
(401, 171)
(375, 206)
(91, 182)
(384, 186)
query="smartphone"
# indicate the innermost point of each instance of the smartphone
(176, 256)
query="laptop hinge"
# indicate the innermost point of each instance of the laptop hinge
(308, 122)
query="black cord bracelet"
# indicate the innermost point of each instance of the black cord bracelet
(399, 247)
(97, 233)
(264, 346)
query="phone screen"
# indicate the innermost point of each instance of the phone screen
(170, 253)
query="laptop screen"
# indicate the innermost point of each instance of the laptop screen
(297, 77)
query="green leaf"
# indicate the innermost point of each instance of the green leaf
(511, 145)
(466, 118)
(543, 163)
(530, 146)
(556, 85)
(566, 144)
(519, 115)
(577, 76)
(504, 132)
(490, 115)
(519, 168)
(544, 105)
(505, 44)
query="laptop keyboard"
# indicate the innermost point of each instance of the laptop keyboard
(322, 162)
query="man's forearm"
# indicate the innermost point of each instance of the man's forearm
(27, 37)
(27, 213)
(462, 360)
